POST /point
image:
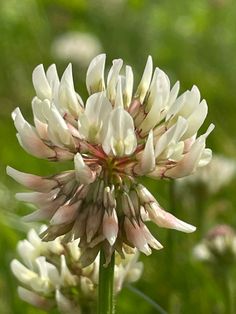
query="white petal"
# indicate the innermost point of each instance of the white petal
(57, 128)
(129, 82)
(83, 173)
(191, 159)
(159, 89)
(22, 273)
(93, 122)
(150, 238)
(27, 252)
(148, 156)
(66, 214)
(196, 119)
(34, 239)
(120, 138)
(95, 74)
(191, 103)
(136, 236)
(172, 135)
(145, 80)
(119, 94)
(176, 106)
(34, 299)
(173, 95)
(110, 226)
(52, 78)
(67, 279)
(167, 220)
(205, 157)
(112, 79)
(31, 181)
(67, 96)
(28, 138)
(40, 82)
(64, 304)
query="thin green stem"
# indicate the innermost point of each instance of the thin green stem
(147, 298)
(230, 306)
(105, 287)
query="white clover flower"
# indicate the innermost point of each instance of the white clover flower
(214, 176)
(218, 247)
(115, 137)
(50, 270)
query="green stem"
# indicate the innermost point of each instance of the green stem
(155, 305)
(230, 295)
(105, 287)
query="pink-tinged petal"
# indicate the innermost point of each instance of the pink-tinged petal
(39, 118)
(66, 214)
(31, 181)
(93, 222)
(64, 304)
(110, 226)
(39, 215)
(150, 238)
(33, 145)
(136, 236)
(62, 154)
(157, 173)
(79, 226)
(144, 195)
(37, 197)
(46, 212)
(167, 220)
(35, 299)
(29, 139)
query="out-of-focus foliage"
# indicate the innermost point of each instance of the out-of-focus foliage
(194, 42)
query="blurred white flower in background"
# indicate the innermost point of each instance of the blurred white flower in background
(49, 271)
(214, 176)
(218, 246)
(76, 47)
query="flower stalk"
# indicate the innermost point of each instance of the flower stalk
(105, 287)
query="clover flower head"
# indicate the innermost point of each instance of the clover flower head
(218, 247)
(49, 271)
(117, 135)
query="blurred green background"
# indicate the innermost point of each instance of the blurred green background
(192, 41)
